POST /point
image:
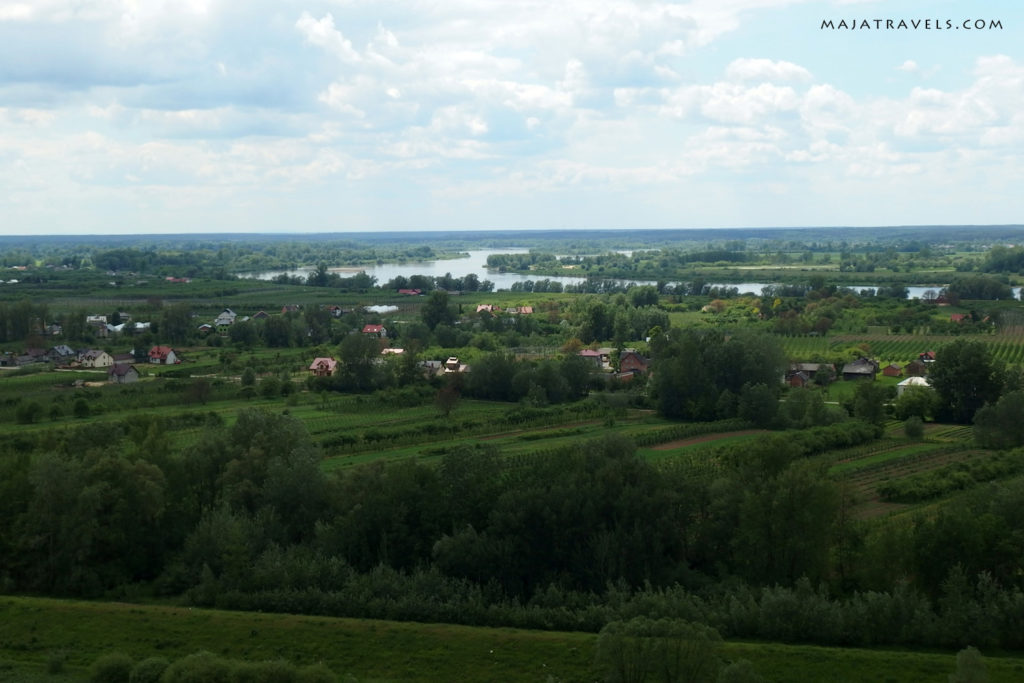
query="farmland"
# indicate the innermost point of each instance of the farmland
(506, 469)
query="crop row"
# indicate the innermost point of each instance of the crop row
(963, 474)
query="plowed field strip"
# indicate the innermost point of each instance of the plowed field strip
(681, 443)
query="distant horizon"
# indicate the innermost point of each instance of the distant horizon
(384, 234)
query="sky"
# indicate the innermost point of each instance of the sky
(203, 116)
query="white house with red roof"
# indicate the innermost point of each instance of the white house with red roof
(163, 355)
(375, 330)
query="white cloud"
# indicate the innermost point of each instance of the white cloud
(323, 34)
(270, 104)
(766, 70)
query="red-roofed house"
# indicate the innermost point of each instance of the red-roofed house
(410, 292)
(163, 355)
(323, 367)
(375, 330)
(631, 361)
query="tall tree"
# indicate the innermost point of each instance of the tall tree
(436, 310)
(965, 377)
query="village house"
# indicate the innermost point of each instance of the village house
(225, 319)
(591, 355)
(862, 368)
(631, 361)
(375, 330)
(163, 355)
(798, 379)
(915, 368)
(61, 353)
(323, 367)
(453, 365)
(432, 368)
(260, 315)
(912, 382)
(96, 358)
(122, 373)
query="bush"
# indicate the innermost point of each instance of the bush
(202, 667)
(81, 408)
(643, 648)
(913, 427)
(115, 667)
(149, 670)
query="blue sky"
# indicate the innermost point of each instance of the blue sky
(142, 116)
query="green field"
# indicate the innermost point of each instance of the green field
(34, 632)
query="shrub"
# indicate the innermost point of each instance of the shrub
(913, 427)
(148, 670)
(202, 667)
(115, 667)
(81, 408)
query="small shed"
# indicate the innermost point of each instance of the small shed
(892, 370)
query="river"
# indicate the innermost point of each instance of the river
(476, 263)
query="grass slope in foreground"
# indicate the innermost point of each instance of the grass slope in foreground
(33, 630)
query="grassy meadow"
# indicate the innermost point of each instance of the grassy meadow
(36, 632)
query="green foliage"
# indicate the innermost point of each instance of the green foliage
(1001, 425)
(149, 670)
(913, 427)
(692, 369)
(115, 667)
(81, 408)
(28, 412)
(869, 402)
(919, 402)
(970, 667)
(436, 310)
(955, 477)
(965, 378)
(665, 649)
(202, 667)
(741, 671)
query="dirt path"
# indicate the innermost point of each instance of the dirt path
(705, 438)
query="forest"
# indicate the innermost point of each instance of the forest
(568, 458)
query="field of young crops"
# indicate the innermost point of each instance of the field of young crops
(900, 348)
